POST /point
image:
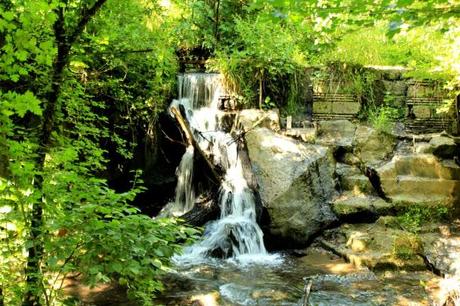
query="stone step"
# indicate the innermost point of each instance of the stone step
(407, 189)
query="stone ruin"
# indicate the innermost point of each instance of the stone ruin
(423, 102)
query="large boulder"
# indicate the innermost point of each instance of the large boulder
(421, 179)
(296, 184)
(371, 146)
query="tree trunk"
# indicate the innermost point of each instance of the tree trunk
(261, 78)
(64, 43)
(216, 26)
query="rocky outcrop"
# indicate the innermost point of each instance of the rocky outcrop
(443, 254)
(443, 147)
(296, 183)
(362, 208)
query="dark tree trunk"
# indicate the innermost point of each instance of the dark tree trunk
(202, 212)
(64, 43)
(216, 26)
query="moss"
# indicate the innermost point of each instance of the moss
(406, 246)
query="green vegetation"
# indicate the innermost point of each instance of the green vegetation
(81, 82)
(414, 217)
(73, 90)
(406, 247)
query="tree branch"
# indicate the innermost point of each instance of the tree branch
(87, 14)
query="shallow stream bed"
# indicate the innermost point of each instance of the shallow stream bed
(335, 282)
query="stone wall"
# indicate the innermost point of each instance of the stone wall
(338, 95)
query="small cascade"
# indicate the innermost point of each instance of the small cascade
(185, 195)
(236, 235)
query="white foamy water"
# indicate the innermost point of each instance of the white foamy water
(236, 236)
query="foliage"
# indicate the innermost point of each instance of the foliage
(66, 99)
(413, 218)
(255, 66)
(383, 118)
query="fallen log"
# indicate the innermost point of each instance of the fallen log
(207, 208)
(185, 127)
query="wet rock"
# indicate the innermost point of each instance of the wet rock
(272, 295)
(444, 147)
(270, 119)
(421, 179)
(296, 183)
(336, 133)
(371, 146)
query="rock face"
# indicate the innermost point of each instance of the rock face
(296, 183)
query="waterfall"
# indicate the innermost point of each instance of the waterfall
(236, 235)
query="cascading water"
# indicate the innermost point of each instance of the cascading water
(236, 234)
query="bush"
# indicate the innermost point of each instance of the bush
(383, 118)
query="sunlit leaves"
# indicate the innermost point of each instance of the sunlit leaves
(20, 104)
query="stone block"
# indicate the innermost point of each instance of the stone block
(346, 108)
(270, 118)
(322, 107)
(422, 111)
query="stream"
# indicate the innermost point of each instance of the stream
(335, 282)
